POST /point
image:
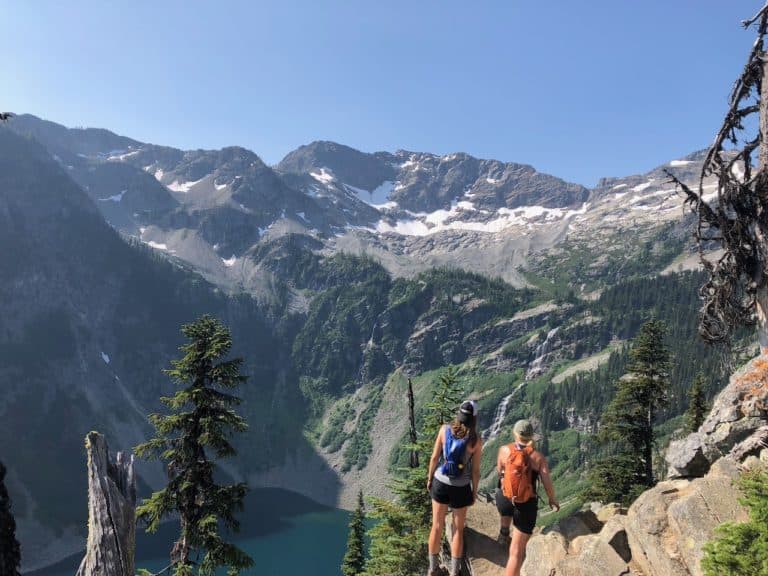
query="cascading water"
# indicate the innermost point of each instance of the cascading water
(500, 414)
(370, 344)
(536, 367)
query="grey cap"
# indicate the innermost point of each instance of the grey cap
(524, 430)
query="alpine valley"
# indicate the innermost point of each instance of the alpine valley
(341, 274)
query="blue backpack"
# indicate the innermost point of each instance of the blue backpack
(453, 454)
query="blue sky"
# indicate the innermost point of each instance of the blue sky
(577, 88)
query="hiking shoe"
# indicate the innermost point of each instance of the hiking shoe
(503, 539)
(439, 571)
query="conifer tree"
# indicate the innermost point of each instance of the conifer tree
(741, 549)
(697, 408)
(626, 432)
(10, 551)
(198, 428)
(354, 560)
(444, 403)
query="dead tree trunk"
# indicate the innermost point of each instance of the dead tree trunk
(412, 418)
(111, 512)
(761, 297)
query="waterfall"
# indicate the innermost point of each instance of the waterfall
(537, 367)
(368, 345)
(500, 414)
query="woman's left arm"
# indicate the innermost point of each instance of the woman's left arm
(476, 468)
(436, 451)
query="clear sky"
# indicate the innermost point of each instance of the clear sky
(577, 88)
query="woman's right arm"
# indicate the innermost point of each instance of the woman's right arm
(436, 451)
(543, 470)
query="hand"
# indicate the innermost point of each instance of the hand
(429, 484)
(474, 498)
(554, 504)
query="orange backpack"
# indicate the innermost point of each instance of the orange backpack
(517, 483)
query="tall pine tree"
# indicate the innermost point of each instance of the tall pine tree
(10, 551)
(626, 433)
(697, 407)
(354, 560)
(201, 421)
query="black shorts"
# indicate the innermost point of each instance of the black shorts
(454, 496)
(523, 515)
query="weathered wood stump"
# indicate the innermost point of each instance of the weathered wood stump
(111, 512)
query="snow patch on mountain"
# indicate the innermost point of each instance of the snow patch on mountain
(378, 197)
(325, 176)
(676, 163)
(183, 187)
(121, 157)
(643, 186)
(159, 246)
(115, 198)
(229, 262)
(424, 224)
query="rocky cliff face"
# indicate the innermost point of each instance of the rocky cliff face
(737, 425)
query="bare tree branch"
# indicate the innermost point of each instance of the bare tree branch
(737, 221)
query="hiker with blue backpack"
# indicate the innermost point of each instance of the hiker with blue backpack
(452, 481)
(519, 466)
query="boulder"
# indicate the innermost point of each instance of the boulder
(599, 557)
(686, 458)
(667, 525)
(581, 523)
(543, 553)
(615, 535)
(647, 530)
(608, 511)
(711, 501)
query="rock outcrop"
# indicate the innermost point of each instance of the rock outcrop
(735, 426)
(662, 533)
(111, 512)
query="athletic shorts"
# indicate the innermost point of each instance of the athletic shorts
(454, 496)
(523, 515)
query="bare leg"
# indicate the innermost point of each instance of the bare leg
(457, 541)
(438, 525)
(516, 552)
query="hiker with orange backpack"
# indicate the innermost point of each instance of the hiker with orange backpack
(519, 465)
(452, 481)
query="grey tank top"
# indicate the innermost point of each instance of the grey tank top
(466, 475)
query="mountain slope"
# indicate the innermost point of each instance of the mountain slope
(88, 324)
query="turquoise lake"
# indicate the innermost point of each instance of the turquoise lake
(285, 533)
